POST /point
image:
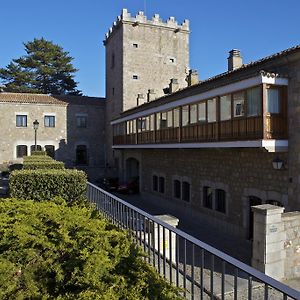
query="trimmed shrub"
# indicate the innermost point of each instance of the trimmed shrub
(35, 165)
(39, 153)
(51, 251)
(41, 185)
(37, 158)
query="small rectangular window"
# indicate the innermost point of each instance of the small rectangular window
(81, 121)
(49, 121)
(177, 189)
(21, 121)
(161, 185)
(220, 201)
(207, 197)
(155, 183)
(112, 63)
(135, 77)
(186, 191)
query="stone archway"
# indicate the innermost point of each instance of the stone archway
(132, 168)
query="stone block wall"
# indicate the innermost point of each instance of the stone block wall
(276, 242)
(291, 222)
(240, 172)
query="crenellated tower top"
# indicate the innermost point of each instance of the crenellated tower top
(141, 19)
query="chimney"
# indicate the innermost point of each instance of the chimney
(235, 60)
(173, 86)
(192, 77)
(151, 95)
(140, 99)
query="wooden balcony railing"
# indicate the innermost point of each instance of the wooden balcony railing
(250, 128)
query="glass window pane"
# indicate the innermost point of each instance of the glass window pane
(158, 117)
(163, 121)
(225, 107)
(21, 121)
(211, 110)
(273, 106)
(238, 104)
(193, 114)
(254, 102)
(152, 122)
(185, 115)
(133, 123)
(202, 112)
(176, 112)
(170, 118)
(49, 121)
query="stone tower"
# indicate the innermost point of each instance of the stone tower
(142, 56)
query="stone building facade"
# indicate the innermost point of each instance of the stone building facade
(71, 129)
(221, 146)
(142, 57)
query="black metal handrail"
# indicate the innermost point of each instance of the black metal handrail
(202, 270)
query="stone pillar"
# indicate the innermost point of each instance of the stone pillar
(268, 252)
(173, 221)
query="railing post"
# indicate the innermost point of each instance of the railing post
(268, 240)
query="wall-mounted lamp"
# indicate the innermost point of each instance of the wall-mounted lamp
(277, 163)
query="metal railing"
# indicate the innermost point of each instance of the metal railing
(202, 271)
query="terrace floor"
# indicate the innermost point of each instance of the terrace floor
(239, 249)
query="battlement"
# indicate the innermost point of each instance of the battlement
(140, 18)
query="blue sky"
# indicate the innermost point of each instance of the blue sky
(257, 27)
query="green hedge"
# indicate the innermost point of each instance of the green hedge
(41, 185)
(44, 153)
(51, 251)
(35, 165)
(37, 158)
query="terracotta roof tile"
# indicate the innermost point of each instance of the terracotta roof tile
(50, 99)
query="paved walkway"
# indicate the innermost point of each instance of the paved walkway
(239, 249)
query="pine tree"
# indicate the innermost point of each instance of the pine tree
(46, 68)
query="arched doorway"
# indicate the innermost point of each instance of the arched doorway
(253, 201)
(132, 168)
(133, 175)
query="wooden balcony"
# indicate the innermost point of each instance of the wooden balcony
(237, 129)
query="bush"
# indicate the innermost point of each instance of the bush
(51, 251)
(34, 165)
(39, 153)
(41, 185)
(37, 158)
